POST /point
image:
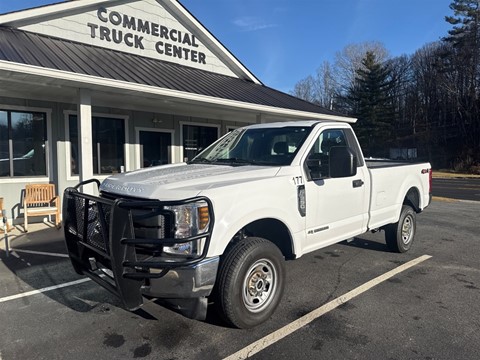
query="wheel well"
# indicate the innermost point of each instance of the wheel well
(413, 199)
(272, 230)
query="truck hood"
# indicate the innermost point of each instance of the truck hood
(182, 181)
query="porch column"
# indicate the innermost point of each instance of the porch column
(85, 148)
(261, 119)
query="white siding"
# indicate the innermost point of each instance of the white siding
(74, 27)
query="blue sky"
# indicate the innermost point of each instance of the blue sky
(283, 41)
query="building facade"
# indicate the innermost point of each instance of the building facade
(92, 87)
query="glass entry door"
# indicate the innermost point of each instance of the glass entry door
(196, 138)
(155, 147)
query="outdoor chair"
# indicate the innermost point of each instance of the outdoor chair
(40, 199)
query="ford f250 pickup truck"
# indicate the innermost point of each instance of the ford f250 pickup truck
(221, 226)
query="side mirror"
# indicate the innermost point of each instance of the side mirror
(343, 162)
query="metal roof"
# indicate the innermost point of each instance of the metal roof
(48, 52)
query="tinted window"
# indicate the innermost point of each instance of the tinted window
(197, 138)
(23, 141)
(262, 146)
(108, 140)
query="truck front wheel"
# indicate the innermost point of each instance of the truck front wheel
(399, 236)
(250, 283)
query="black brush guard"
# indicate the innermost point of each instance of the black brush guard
(101, 241)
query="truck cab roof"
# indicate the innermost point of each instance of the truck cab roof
(300, 123)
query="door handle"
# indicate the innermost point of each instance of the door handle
(357, 183)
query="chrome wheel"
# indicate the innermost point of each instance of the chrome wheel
(259, 286)
(251, 281)
(407, 229)
(400, 235)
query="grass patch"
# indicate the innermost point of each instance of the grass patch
(452, 175)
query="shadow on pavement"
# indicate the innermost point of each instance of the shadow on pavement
(36, 271)
(362, 243)
(29, 267)
(23, 271)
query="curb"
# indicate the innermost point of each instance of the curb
(445, 199)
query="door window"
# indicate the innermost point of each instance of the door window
(321, 149)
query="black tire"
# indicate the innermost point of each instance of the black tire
(399, 236)
(250, 282)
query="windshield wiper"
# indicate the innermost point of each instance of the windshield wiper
(232, 161)
(235, 160)
(200, 161)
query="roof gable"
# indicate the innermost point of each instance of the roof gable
(157, 29)
(66, 60)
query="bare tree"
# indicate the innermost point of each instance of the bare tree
(305, 89)
(319, 89)
(326, 86)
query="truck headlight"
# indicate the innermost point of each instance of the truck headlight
(190, 220)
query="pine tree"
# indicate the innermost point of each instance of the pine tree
(464, 58)
(370, 99)
(466, 19)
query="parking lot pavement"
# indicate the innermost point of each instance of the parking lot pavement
(457, 188)
(25, 267)
(430, 311)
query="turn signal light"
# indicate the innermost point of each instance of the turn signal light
(203, 217)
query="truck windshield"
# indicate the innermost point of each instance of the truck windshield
(276, 146)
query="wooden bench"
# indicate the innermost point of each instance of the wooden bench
(40, 199)
(1, 217)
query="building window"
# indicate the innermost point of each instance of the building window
(23, 143)
(108, 140)
(155, 147)
(196, 138)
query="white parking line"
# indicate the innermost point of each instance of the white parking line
(45, 289)
(39, 252)
(272, 338)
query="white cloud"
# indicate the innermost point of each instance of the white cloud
(249, 23)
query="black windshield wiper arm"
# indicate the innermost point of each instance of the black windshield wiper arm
(200, 161)
(234, 160)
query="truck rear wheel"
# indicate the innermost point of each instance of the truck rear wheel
(250, 283)
(399, 236)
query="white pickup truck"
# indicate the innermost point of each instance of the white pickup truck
(221, 226)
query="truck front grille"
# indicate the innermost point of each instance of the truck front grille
(147, 223)
(95, 232)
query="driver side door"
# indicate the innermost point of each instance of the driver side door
(336, 208)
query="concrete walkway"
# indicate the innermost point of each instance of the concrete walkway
(43, 238)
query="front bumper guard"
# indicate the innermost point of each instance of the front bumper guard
(101, 243)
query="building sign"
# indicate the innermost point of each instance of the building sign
(146, 28)
(114, 27)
